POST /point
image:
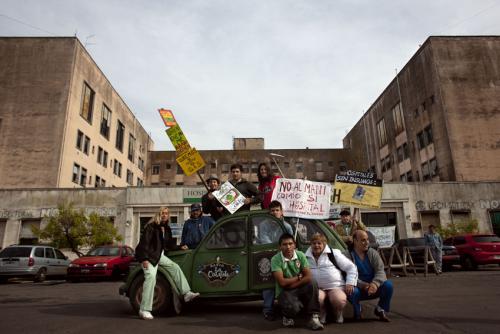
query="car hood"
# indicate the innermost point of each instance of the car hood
(94, 259)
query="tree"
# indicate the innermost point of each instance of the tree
(459, 228)
(70, 228)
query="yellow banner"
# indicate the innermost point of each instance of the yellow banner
(191, 161)
(358, 195)
(178, 139)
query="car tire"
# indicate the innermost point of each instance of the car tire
(40, 276)
(468, 263)
(163, 301)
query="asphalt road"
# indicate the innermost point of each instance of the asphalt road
(456, 302)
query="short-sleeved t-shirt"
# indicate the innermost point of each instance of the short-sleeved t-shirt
(289, 267)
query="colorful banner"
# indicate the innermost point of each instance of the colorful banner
(359, 189)
(178, 139)
(190, 162)
(302, 198)
(229, 197)
(168, 117)
(383, 234)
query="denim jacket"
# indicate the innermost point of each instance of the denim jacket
(194, 230)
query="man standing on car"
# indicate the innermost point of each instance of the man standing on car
(372, 281)
(295, 287)
(195, 228)
(209, 203)
(246, 188)
(435, 243)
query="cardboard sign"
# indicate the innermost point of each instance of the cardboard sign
(168, 117)
(178, 139)
(229, 197)
(384, 234)
(359, 189)
(190, 162)
(302, 198)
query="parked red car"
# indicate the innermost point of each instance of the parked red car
(476, 249)
(104, 262)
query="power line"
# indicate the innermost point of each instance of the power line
(468, 18)
(27, 24)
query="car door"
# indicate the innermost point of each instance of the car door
(220, 264)
(51, 262)
(61, 262)
(265, 231)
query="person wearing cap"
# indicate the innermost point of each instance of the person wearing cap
(195, 228)
(348, 226)
(211, 206)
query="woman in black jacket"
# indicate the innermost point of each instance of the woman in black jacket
(151, 252)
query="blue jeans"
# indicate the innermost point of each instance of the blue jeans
(384, 292)
(268, 296)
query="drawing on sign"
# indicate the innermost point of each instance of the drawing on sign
(190, 162)
(361, 189)
(178, 139)
(218, 273)
(229, 197)
(168, 117)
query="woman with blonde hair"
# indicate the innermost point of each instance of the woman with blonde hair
(328, 267)
(151, 251)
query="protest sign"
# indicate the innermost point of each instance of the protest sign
(168, 117)
(360, 189)
(229, 197)
(302, 198)
(383, 234)
(190, 161)
(178, 139)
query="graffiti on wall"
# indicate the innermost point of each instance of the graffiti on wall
(50, 212)
(457, 205)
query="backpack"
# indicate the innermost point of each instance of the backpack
(332, 259)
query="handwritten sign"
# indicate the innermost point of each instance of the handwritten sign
(229, 197)
(302, 198)
(384, 234)
(190, 162)
(360, 189)
(168, 117)
(178, 139)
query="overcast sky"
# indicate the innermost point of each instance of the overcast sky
(297, 73)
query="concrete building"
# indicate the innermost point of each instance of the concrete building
(62, 124)
(438, 120)
(408, 207)
(312, 164)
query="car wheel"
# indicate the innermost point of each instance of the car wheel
(116, 274)
(41, 275)
(468, 263)
(3, 279)
(163, 302)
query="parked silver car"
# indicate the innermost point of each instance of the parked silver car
(33, 261)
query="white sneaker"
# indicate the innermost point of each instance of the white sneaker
(189, 296)
(288, 322)
(322, 318)
(340, 318)
(145, 315)
(314, 323)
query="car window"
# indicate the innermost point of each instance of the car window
(104, 251)
(305, 229)
(16, 252)
(448, 242)
(485, 238)
(49, 253)
(459, 240)
(130, 251)
(265, 230)
(231, 234)
(59, 254)
(39, 252)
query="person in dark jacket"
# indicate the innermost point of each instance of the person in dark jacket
(151, 251)
(246, 188)
(195, 228)
(211, 206)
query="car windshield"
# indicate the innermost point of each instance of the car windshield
(486, 238)
(104, 251)
(15, 252)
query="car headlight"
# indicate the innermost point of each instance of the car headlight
(73, 265)
(100, 265)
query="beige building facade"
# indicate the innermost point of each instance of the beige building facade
(62, 124)
(438, 119)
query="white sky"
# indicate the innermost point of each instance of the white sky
(297, 73)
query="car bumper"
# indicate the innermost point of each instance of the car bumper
(487, 258)
(89, 272)
(451, 259)
(18, 272)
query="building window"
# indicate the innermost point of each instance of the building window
(319, 166)
(102, 156)
(105, 121)
(83, 176)
(97, 183)
(131, 147)
(86, 145)
(299, 167)
(130, 177)
(225, 168)
(342, 166)
(425, 171)
(155, 169)
(406, 177)
(433, 167)
(140, 164)
(397, 114)
(382, 134)
(168, 165)
(120, 132)
(286, 165)
(425, 137)
(255, 167)
(179, 183)
(140, 183)
(386, 163)
(179, 170)
(87, 103)
(213, 165)
(76, 173)
(402, 152)
(245, 168)
(117, 168)
(79, 140)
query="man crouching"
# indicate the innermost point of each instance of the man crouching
(295, 288)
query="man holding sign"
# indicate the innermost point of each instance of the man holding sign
(246, 188)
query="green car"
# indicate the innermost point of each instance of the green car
(232, 262)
